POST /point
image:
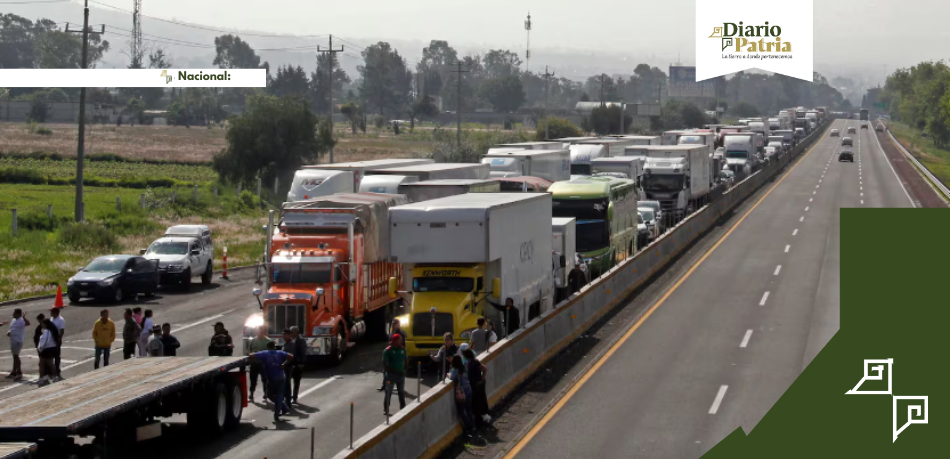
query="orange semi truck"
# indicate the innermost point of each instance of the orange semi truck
(327, 272)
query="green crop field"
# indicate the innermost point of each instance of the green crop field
(114, 169)
(936, 159)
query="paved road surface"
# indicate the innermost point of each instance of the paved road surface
(725, 344)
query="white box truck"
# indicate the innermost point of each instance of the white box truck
(630, 167)
(741, 153)
(435, 189)
(672, 137)
(554, 165)
(639, 139)
(506, 147)
(359, 168)
(569, 275)
(699, 138)
(469, 251)
(385, 184)
(582, 152)
(679, 177)
(437, 171)
(313, 183)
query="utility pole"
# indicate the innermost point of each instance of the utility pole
(547, 75)
(527, 54)
(458, 105)
(602, 75)
(80, 156)
(331, 54)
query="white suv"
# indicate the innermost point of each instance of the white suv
(184, 252)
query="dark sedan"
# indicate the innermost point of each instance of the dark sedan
(845, 156)
(114, 277)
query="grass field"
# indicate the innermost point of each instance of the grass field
(114, 169)
(936, 159)
(35, 261)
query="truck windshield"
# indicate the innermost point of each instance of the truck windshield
(589, 209)
(105, 265)
(657, 182)
(301, 273)
(443, 284)
(592, 235)
(168, 248)
(737, 155)
(580, 169)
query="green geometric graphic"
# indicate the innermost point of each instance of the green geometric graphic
(895, 305)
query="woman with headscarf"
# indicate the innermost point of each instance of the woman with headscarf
(463, 393)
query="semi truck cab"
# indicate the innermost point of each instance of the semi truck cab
(445, 299)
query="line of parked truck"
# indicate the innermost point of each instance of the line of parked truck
(506, 238)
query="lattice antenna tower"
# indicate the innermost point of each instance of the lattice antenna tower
(527, 55)
(137, 50)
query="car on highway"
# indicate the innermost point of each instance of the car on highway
(864, 125)
(835, 133)
(879, 128)
(114, 277)
(847, 141)
(658, 211)
(649, 219)
(770, 152)
(852, 130)
(185, 251)
(846, 155)
(728, 177)
(643, 232)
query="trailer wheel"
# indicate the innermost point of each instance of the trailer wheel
(339, 350)
(235, 406)
(219, 409)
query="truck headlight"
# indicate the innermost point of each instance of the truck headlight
(467, 334)
(70, 281)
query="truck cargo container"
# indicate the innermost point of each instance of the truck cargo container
(554, 164)
(328, 271)
(313, 183)
(639, 139)
(707, 139)
(438, 171)
(679, 176)
(568, 276)
(523, 184)
(566, 142)
(673, 137)
(584, 151)
(469, 251)
(508, 147)
(435, 189)
(126, 399)
(359, 168)
(631, 167)
(386, 184)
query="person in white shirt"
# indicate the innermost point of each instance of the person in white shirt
(155, 346)
(492, 337)
(16, 333)
(60, 324)
(147, 326)
(47, 348)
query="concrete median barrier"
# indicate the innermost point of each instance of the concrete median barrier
(425, 429)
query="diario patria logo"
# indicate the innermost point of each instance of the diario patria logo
(168, 78)
(743, 37)
(918, 407)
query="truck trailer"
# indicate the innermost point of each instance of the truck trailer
(313, 183)
(553, 165)
(679, 176)
(631, 167)
(386, 184)
(469, 251)
(509, 147)
(569, 275)
(438, 171)
(327, 272)
(359, 168)
(435, 189)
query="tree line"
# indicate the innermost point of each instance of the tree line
(920, 96)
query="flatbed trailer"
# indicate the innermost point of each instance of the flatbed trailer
(122, 401)
(17, 450)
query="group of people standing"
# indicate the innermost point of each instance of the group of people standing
(47, 339)
(140, 332)
(279, 370)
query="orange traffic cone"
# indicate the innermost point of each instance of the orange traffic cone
(59, 298)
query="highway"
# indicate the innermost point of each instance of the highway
(325, 393)
(719, 348)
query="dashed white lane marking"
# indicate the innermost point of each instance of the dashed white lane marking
(778, 269)
(745, 339)
(806, 208)
(862, 195)
(787, 247)
(862, 202)
(765, 298)
(801, 219)
(795, 233)
(811, 199)
(718, 400)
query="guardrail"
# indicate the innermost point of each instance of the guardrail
(424, 428)
(921, 167)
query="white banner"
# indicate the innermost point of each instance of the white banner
(133, 78)
(742, 34)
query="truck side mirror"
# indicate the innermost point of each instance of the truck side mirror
(393, 287)
(142, 251)
(496, 287)
(562, 261)
(257, 294)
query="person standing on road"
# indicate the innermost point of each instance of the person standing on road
(137, 315)
(131, 332)
(288, 337)
(147, 325)
(258, 344)
(492, 336)
(103, 334)
(170, 344)
(394, 367)
(275, 365)
(396, 328)
(60, 324)
(446, 352)
(477, 371)
(299, 350)
(155, 346)
(480, 337)
(38, 332)
(221, 344)
(16, 334)
(463, 393)
(47, 347)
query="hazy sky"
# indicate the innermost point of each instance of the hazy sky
(874, 35)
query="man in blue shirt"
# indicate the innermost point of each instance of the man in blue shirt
(275, 363)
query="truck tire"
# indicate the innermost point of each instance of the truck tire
(207, 412)
(217, 421)
(235, 406)
(206, 276)
(339, 351)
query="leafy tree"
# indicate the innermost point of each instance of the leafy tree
(354, 114)
(387, 81)
(318, 81)
(423, 108)
(585, 98)
(605, 120)
(501, 63)
(40, 107)
(233, 53)
(745, 110)
(158, 59)
(678, 115)
(136, 108)
(195, 106)
(593, 86)
(557, 128)
(434, 65)
(505, 94)
(290, 81)
(272, 138)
